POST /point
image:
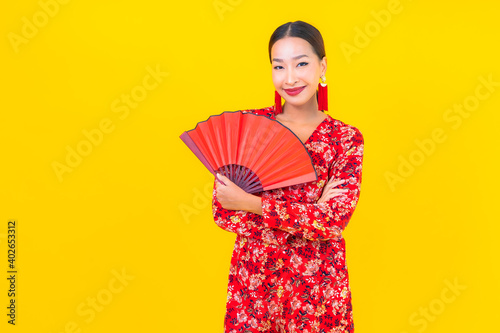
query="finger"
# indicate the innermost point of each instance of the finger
(338, 190)
(225, 179)
(218, 176)
(332, 185)
(334, 193)
(330, 196)
(336, 182)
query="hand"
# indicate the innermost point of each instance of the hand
(329, 191)
(230, 195)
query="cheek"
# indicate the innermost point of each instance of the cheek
(277, 80)
(309, 77)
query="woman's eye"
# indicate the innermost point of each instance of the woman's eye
(305, 63)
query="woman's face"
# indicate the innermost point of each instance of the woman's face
(294, 64)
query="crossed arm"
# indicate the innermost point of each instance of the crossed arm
(323, 220)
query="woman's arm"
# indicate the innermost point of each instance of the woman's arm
(253, 203)
(239, 214)
(328, 219)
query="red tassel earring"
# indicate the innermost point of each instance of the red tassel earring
(322, 95)
(277, 103)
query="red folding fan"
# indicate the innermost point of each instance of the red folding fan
(254, 151)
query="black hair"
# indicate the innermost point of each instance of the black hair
(302, 30)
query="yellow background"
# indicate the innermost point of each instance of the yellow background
(119, 209)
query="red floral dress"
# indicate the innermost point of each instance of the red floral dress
(288, 270)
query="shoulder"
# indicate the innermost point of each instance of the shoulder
(347, 134)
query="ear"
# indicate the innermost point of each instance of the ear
(323, 66)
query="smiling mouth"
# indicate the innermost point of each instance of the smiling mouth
(294, 89)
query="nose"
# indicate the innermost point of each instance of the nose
(291, 78)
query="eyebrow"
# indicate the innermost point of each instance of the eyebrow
(297, 57)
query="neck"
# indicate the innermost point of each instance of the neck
(301, 113)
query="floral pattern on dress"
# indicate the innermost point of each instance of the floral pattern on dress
(288, 269)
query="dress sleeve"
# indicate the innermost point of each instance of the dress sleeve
(245, 223)
(327, 220)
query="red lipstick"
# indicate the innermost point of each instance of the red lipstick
(294, 91)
